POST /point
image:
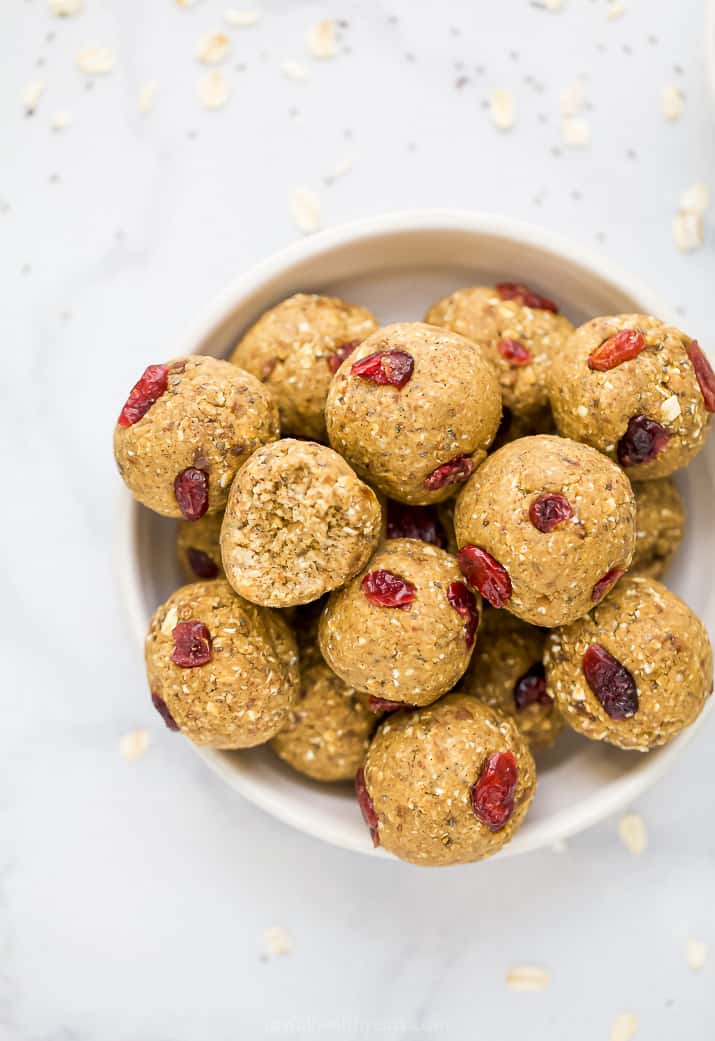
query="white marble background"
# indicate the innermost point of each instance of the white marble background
(134, 896)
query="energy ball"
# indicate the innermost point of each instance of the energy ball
(636, 389)
(660, 521)
(295, 348)
(517, 338)
(507, 673)
(198, 548)
(446, 784)
(221, 670)
(414, 410)
(404, 629)
(298, 523)
(635, 671)
(186, 429)
(545, 527)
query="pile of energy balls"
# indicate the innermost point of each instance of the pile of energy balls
(416, 552)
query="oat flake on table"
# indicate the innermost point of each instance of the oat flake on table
(501, 107)
(633, 833)
(31, 96)
(615, 10)
(625, 1027)
(295, 71)
(276, 942)
(213, 90)
(241, 19)
(575, 131)
(212, 48)
(95, 61)
(66, 8)
(305, 209)
(134, 745)
(61, 120)
(147, 96)
(321, 39)
(672, 102)
(572, 99)
(696, 953)
(528, 978)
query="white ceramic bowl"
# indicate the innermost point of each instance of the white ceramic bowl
(397, 264)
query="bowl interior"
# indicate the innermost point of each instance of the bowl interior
(397, 271)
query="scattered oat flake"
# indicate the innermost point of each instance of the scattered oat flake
(554, 5)
(213, 48)
(572, 99)
(342, 167)
(31, 96)
(134, 744)
(672, 102)
(241, 19)
(61, 120)
(321, 39)
(697, 953)
(276, 942)
(670, 409)
(575, 131)
(66, 8)
(213, 90)
(528, 978)
(615, 10)
(696, 199)
(294, 70)
(632, 830)
(501, 106)
(95, 61)
(305, 208)
(625, 1027)
(688, 231)
(147, 95)
(185, 3)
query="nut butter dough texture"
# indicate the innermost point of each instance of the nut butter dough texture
(663, 645)
(409, 654)
(243, 695)
(298, 523)
(397, 437)
(660, 522)
(553, 574)
(659, 383)
(419, 772)
(292, 349)
(211, 417)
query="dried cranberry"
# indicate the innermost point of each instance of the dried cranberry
(191, 491)
(549, 510)
(704, 374)
(620, 347)
(493, 793)
(148, 389)
(387, 589)
(414, 522)
(485, 574)
(163, 709)
(606, 583)
(456, 471)
(393, 367)
(367, 806)
(530, 689)
(192, 644)
(643, 440)
(201, 563)
(464, 603)
(386, 705)
(611, 682)
(523, 295)
(514, 352)
(342, 351)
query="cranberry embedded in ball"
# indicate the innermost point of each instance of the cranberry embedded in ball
(514, 352)
(201, 563)
(385, 589)
(191, 491)
(643, 440)
(414, 522)
(606, 583)
(493, 793)
(485, 574)
(385, 367)
(464, 603)
(456, 471)
(366, 806)
(148, 389)
(192, 644)
(341, 352)
(704, 374)
(530, 689)
(623, 346)
(549, 510)
(163, 710)
(611, 682)
(525, 296)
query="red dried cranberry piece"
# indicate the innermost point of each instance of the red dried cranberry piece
(456, 471)
(485, 574)
(530, 689)
(606, 583)
(148, 389)
(163, 709)
(387, 589)
(342, 351)
(464, 603)
(201, 563)
(620, 347)
(611, 682)
(549, 510)
(366, 806)
(192, 644)
(393, 367)
(523, 295)
(414, 522)
(643, 440)
(386, 705)
(704, 374)
(493, 793)
(191, 491)
(514, 352)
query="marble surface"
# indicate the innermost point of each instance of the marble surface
(134, 897)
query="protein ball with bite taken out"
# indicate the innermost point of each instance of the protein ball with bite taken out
(545, 527)
(298, 523)
(404, 629)
(446, 784)
(295, 348)
(636, 389)
(198, 548)
(507, 673)
(518, 333)
(414, 410)
(221, 670)
(660, 521)
(186, 429)
(635, 671)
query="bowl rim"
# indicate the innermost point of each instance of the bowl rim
(617, 793)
